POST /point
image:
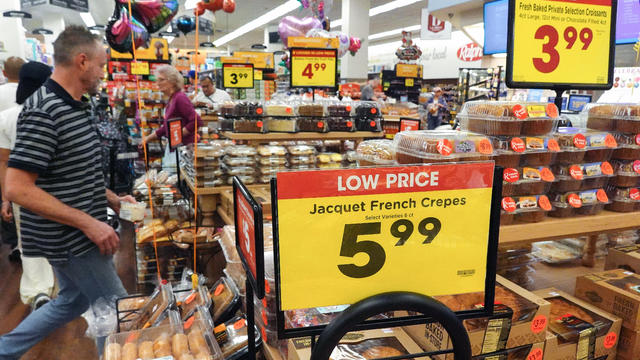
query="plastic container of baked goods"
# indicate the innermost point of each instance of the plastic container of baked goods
(553, 252)
(328, 158)
(526, 180)
(628, 146)
(271, 150)
(249, 125)
(249, 109)
(302, 160)
(339, 109)
(271, 170)
(151, 311)
(233, 161)
(598, 145)
(581, 176)
(240, 150)
(366, 124)
(428, 146)
(246, 179)
(188, 301)
(623, 118)
(367, 110)
(588, 202)
(310, 124)
(288, 125)
(375, 152)
(298, 150)
(532, 208)
(206, 151)
(509, 118)
(627, 173)
(516, 151)
(341, 124)
(226, 300)
(313, 110)
(236, 347)
(280, 109)
(623, 199)
(227, 108)
(272, 161)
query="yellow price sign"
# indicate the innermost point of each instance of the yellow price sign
(257, 74)
(408, 82)
(237, 76)
(139, 68)
(408, 70)
(561, 43)
(345, 235)
(313, 67)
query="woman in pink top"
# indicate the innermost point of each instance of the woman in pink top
(170, 82)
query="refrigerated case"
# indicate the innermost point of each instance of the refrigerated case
(480, 83)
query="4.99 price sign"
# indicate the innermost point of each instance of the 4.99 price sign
(345, 235)
(561, 43)
(313, 67)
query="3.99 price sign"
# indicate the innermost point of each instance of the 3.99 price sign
(237, 75)
(345, 235)
(313, 67)
(561, 43)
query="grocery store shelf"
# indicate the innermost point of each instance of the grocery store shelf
(554, 228)
(333, 135)
(214, 190)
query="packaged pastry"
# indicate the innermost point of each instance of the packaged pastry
(302, 160)
(248, 108)
(599, 145)
(531, 208)
(316, 110)
(156, 304)
(279, 109)
(375, 152)
(237, 343)
(271, 150)
(554, 252)
(225, 124)
(524, 151)
(240, 170)
(623, 199)
(249, 125)
(239, 160)
(241, 150)
(288, 125)
(271, 170)
(367, 110)
(341, 124)
(428, 146)
(509, 118)
(339, 110)
(572, 147)
(627, 173)
(526, 180)
(298, 150)
(581, 176)
(226, 300)
(188, 301)
(246, 179)
(228, 109)
(272, 161)
(312, 125)
(326, 158)
(602, 116)
(367, 124)
(588, 202)
(628, 146)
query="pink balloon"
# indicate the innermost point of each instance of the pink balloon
(293, 26)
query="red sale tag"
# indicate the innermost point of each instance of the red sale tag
(634, 194)
(553, 145)
(535, 354)
(547, 175)
(610, 340)
(444, 147)
(539, 323)
(520, 112)
(544, 203)
(636, 166)
(602, 196)
(606, 168)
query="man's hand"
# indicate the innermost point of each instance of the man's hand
(7, 213)
(114, 201)
(102, 235)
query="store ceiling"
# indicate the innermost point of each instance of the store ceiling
(247, 10)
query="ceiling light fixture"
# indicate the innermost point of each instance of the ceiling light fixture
(395, 32)
(88, 19)
(392, 5)
(271, 15)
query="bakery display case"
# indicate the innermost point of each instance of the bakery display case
(480, 84)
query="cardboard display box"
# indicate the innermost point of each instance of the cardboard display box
(629, 345)
(520, 319)
(625, 257)
(571, 321)
(526, 352)
(368, 344)
(262, 196)
(615, 291)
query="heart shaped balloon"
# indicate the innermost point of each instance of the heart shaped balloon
(293, 26)
(354, 46)
(154, 14)
(119, 29)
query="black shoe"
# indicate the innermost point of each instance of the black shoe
(15, 256)
(40, 300)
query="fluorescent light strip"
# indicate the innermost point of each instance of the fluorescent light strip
(88, 19)
(276, 13)
(392, 5)
(394, 32)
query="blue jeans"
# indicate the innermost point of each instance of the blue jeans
(82, 280)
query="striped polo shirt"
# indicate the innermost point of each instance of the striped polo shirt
(57, 140)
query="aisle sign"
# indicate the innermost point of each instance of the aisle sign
(249, 239)
(344, 235)
(409, 70)
(139, 68)
(314, 67)
(237, 76)
(561, 43)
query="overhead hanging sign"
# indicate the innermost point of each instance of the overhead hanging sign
(77, 5)
(239, 76)
(345, 235)
(314, 68)
(432, 28)
(260, 60)
(409, 70)
(305, 42)
(158, 50)
(561, 44)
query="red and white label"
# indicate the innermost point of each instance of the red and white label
(634, 194)
(470, 52)
(574, 200)
(435, 25)
(636, 166)
(520, 112)
(579, 141)
(576, 172)
(508, 204)
(445, 147)
(517, 145)
(638, 139)
(510, 175)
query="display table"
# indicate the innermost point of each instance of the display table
(557, 228)
(333, 135)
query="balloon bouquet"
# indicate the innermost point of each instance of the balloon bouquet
(316, 25)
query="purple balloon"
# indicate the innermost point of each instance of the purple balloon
(293, 26)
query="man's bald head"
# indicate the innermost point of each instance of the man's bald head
(12, 68)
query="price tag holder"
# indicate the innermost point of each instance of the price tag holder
(408, 82)
(561, 44)
(175, 133)
(257, 74)
(409, 124)
(139, 68)
(249, 237)
(238, 76)
(314, 68)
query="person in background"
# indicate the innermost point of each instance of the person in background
(436, 109)
(179, 106)
(36, 282)
(55, 175)
(367, 91)
(209, 95)
(8, 91)
(192, 87)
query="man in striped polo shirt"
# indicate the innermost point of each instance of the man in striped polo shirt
(55, 174)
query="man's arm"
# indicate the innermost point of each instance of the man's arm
(21, 188)
(6, 204)
(114, 200)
